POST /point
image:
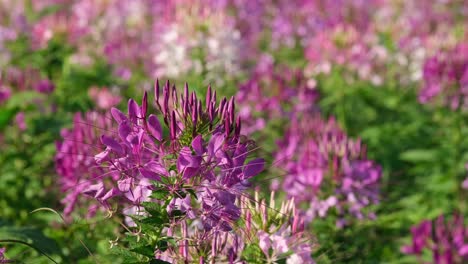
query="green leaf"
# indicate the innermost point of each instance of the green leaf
(419, 155)
(19, 100)
(29, 235)
(6, 115)
(146, 250)
(154, 220)
(160, 194)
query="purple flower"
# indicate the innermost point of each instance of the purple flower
(5, 93)
(44, 86)
(421, 235)
(103, 98)
(446, 77)
(326, 169)
(446, 239)
(74, 161)
(203, 151)
(2, 252)
(273, 94)
(19, 118)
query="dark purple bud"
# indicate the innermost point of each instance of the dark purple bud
(208, 96)
(166, 99)
(175, 97)
(112, 144)
(254, 167)
(154, 127)
(173, 126)
(195, 116)
(156, 93)
(144, 105)
(238, 127)
(227, 126)
(211, 112)
(221, 105)
(200, 111)
(186, 108)
(232, 109)
(193, 98)
(186, 92)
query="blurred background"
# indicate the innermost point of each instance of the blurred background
(378, 83)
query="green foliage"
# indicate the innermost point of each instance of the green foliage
(422, 151)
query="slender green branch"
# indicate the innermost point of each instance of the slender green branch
(29, 245)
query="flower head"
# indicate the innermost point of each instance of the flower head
(446, 239)
(202, 153)
(446, 78)
(326, 169)
(75, 162)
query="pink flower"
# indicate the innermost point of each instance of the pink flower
(103, 98)
(19, 118)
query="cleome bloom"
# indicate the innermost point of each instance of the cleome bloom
(446, 78)
(445, 239)
(201, 152)
(74, 160)
(325, 169)
(266, 234)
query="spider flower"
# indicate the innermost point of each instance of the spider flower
(74, 161)
(445, 239)
(266, 234)
(5, 94)
(201, 151)
(446, 78)
(273, 95)
(325, 169)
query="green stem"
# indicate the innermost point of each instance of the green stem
(29, 245)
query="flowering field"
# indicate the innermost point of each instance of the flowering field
(234, 131)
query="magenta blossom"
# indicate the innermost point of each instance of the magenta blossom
(202, 149)
(75, 162)
(5, 94)
(103, 98)
(325, 169)
(446, 78)
(19, 118)
(44, 86)
(445, 239)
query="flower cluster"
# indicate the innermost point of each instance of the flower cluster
(446, 78)
(419, 29)
(358, 53)
(267, 234)
(281, 233)
(2, 256)
(75, 162)
(273, 95)
(445, 239)
(200, 168)
(325, 169)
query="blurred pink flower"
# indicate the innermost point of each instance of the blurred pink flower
(104, 98)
